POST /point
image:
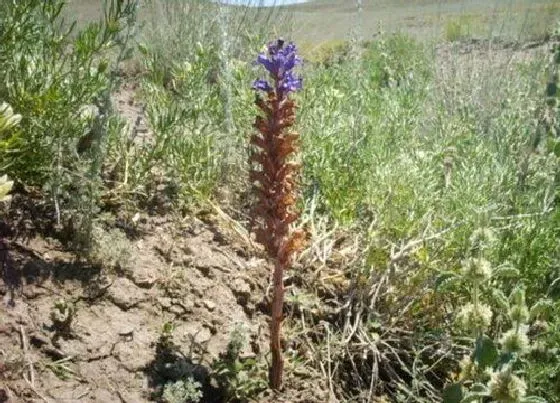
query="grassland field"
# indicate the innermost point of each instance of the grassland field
(326, 20)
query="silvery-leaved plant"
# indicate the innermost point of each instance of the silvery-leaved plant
(494, 370)
(8, 121)
(5, 188)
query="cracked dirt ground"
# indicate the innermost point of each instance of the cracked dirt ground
(189, 274)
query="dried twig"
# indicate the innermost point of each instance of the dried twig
(39, 395)
(25, 348)
(31, 380)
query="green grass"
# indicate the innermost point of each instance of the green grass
(408, 148)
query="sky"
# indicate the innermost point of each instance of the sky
(263, 2)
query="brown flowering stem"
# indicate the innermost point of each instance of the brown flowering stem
(277, 367)
(274, 181)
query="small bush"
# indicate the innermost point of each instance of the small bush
(453, 31)
(241, 379)
(110, 248)
(52, 74)
(327, 54)
(187, 391)
(460, 28)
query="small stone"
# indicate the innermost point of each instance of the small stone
(133, 356)
(188, 304)
(144, 282)
(202, 336)
(31, 292)
(80, 391)
(143, 277)
(240, 286)
(125, 294)
(165, 302)
(242, 290)
(38, 340)
(187, 250)
(125, 329)
(102, 395)
(209, 305)
(177, 309)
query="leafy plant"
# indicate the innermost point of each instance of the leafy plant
(194, 55)
(53, 73)
(187, 391)
(491, 371)
(62, 315)
(110, 248)
(241, 378)
(8, 122)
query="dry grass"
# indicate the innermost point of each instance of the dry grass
(334, 19)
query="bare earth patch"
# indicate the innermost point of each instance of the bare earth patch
(188, 274)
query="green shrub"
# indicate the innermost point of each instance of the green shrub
(378, 148)
(52, 73)
(182, 116)
(328, 53)
(110, 248)
(349, 124)
(60, 80)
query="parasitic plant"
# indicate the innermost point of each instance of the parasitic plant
(274, 178)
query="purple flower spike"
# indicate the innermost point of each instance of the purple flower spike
(279, 62)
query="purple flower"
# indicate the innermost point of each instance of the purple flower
(262, 85)
(291, 83)
(279, 62)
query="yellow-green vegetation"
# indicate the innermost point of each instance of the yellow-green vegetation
(327, 53)
(460, 28)
(430, 188)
